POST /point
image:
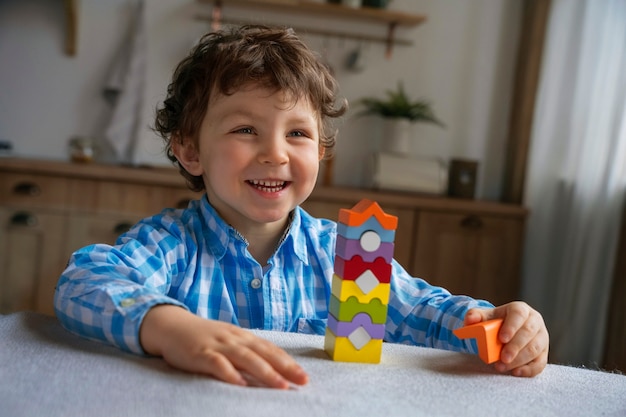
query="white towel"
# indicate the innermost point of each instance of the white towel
(125, 88)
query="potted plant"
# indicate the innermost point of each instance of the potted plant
(399, 113)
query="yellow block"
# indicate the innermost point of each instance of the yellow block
(343, 289)
(340, 349)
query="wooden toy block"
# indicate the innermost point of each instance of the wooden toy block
(343, 350)
(356, 266)
(355, 232)
(363, 320)
(486, 335)
(358, 305)
(347, 248)
(365, 209)
(363, 291)
(346, 310)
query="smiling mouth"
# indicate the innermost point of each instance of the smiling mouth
(268, 186)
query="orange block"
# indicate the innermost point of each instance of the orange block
(365, 209)
(486, 335)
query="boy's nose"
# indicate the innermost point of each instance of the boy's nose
(274, 151)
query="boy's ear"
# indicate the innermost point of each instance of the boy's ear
(187, 155)
(322, 152)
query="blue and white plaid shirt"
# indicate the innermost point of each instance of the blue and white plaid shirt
(193, 259)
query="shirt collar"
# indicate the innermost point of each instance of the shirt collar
(221, 233)
(295, 241)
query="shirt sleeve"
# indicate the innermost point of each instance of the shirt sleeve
(105, 291)
(425, 315)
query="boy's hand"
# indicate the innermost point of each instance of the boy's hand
(223, 350)
(523, 334)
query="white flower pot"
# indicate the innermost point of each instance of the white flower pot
(397, 136)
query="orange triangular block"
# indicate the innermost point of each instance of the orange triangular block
(486, 335)
(365, 209)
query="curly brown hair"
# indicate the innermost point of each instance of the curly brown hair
(223, 62)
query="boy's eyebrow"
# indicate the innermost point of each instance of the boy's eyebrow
(301, 117)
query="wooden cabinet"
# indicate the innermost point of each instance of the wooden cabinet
(50, 209)
(470, 254)
(32, 226)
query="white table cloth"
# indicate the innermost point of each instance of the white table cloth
(46, 371)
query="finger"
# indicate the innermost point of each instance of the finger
(283, 363)
(537, 346)
(217, 365)
(207, 362)
(249, 361)
(532, 368)
(476, 315)
(528, 341)
(516, 316)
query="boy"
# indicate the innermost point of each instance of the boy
(247, 119)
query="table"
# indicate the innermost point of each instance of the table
(46, 371)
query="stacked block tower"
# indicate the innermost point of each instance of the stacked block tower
(360, 284)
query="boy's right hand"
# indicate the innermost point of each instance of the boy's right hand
(223, 350)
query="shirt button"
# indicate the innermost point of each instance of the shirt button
(127, 302)
(255, 283)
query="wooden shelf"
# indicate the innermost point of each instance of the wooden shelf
(330, 10)
(390, 18)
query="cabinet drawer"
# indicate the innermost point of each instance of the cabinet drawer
(33, 191)
(108, 197)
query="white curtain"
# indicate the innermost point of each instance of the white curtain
(576, 175)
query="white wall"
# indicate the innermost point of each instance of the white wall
(462, 59)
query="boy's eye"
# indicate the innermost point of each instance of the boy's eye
(246, 130)
(298, 133)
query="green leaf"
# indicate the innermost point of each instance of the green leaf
(398, 105)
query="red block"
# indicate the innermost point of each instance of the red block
(355, 267)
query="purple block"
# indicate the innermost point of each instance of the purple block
(344, 329)
(347, 248)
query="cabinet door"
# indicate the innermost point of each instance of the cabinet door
(31, 259)
(404, 233)
(469, 254)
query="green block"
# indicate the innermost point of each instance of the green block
(345, 311)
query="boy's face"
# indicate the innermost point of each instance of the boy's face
(258, 154)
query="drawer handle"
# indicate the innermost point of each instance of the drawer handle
(24, 219)
(122, 227)
(472, 222)
(183, 203)
(27, 189)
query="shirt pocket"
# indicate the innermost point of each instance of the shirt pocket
(312, 326)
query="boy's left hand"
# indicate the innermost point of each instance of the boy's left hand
(523, 334)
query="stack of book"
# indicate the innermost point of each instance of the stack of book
(408, 173)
